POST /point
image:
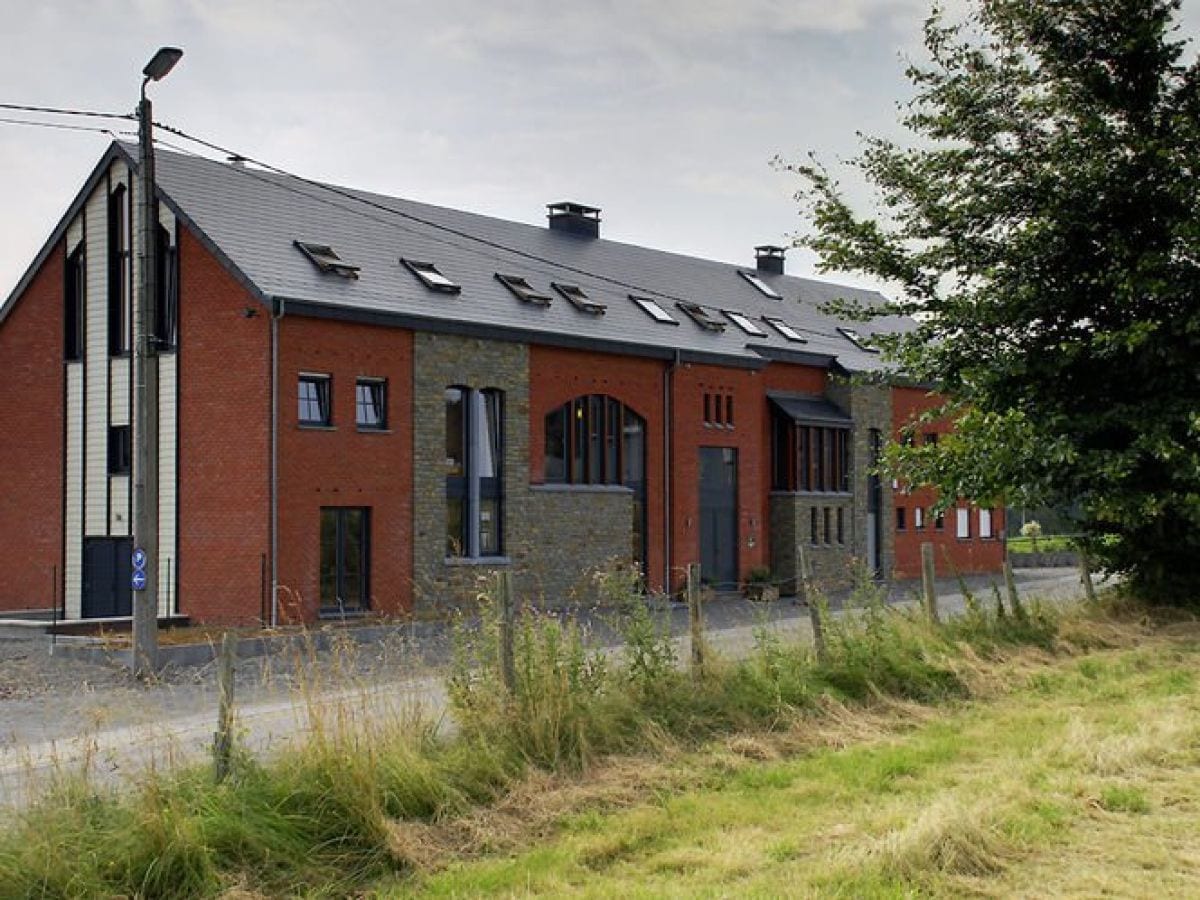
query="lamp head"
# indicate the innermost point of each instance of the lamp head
(162, 63)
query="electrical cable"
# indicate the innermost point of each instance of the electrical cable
(4, 120)
(66, 112)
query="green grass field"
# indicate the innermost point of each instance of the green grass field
(1077, 777)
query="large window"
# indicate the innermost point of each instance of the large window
(345, 558)
(119, 271)
(809, 457)
(474, 472)
(596, 439)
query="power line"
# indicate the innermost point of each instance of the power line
(61, 126)
(67, 112)
(486, 242)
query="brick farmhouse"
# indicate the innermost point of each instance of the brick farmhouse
(367, 403)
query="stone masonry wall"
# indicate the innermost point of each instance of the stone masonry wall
(829, 559)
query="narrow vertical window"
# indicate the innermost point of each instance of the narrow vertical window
(555, 457)
(828, 525)
(119, 262)
(166, 326)
(985, 523)
(962, 522)
(345, 558)
(900, 518)
(918, 517)
(370, 404)
(73, 292)
(841, 525)
(474, 472)
(729, 410)
(814, 533)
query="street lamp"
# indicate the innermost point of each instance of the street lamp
(145, 387)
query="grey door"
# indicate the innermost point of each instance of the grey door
(107, 568)
(718, 516)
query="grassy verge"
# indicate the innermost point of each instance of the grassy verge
(370, 798)
(1080, 779)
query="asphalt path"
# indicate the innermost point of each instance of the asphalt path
(122, 746)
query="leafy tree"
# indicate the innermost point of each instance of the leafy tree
(1043, 227)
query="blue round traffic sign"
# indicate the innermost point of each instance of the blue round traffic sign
(138, 580)
(139, 558)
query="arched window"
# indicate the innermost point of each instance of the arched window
(474, 471)
(596, 439)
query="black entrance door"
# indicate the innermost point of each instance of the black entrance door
(718, 516)
(107, 568)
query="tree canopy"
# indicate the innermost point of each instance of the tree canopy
(1043, 227)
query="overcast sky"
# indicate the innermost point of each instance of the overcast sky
(665, 113)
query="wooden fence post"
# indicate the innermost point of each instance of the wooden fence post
(927, 582)
(804, 589)
(223, 739)
(508, 617)
(695, 619)
(1085, 575)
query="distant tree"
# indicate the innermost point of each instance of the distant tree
(1043, 226)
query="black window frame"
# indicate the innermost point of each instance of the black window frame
(471, 489)
(701, 316)
(326, 259)
(653, 309)
(166, 325)
(519, 287)
(120, 449)
(745, 323)
(74, 299)
(785, 329)
(120, 272)
(429, 275)
(576, 296)
(324, 400)
(341, 517)
(809, 457)
(377, 389)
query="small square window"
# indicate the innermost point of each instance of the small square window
(324, 258)
(581, 301)
(785, 329)
(653, 310)
(370, 404)
(523, 290)
(429, 275)
(763, 288)
(120, 450)
(745, 323)
(314, 400)
(701, 316)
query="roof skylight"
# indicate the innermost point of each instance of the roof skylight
(431, 277)
(701, 316)
(522, 289)
(862, 343)
(763, 288)
(653, 310)
(785, 329)
(324, 258)
(744, 322)
(581, 301)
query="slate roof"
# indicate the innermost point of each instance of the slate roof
(251, 218)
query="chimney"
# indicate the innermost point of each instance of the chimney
(769, 258)
(574, 218)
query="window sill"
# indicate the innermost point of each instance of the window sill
(333, 612)
(555, 487)
(362, 430)
(478, 561)
(305, 426)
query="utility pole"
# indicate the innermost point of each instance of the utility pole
(145, 387)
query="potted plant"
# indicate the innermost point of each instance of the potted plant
(759, 586)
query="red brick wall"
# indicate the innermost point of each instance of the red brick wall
(556, 376)
(951, 554)
(343, 466)
(224, 416)
(31, 442)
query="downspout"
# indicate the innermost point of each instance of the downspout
(277, 313)
(668, 468)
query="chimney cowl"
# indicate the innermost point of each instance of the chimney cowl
(574, 218)
(769, 258)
